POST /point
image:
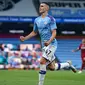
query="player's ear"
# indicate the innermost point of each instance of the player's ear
(47, 7)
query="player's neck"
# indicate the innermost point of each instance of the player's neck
(44, 14)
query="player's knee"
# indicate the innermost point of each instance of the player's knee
(52, 68)
(42, 62)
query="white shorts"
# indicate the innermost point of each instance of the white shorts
(48, 52)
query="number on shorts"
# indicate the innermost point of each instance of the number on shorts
(48, 52)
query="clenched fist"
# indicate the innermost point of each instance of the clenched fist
(22, 38)
(46, 43)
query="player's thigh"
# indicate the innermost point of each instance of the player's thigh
(48, 52)
(51, 50)
(43, 60)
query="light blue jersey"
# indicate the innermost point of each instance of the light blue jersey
(45, 26)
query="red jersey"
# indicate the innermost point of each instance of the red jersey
(82, 48)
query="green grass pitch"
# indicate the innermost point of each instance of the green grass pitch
(30, 77)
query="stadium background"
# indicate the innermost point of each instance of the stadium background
(16, 19)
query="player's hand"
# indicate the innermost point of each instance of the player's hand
(73, 50)
(46, 43)
(22, 38)
(84, 59)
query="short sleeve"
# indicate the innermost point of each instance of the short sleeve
(53, 24)
(35, 27)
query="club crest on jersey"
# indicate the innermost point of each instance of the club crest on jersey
(45, 23)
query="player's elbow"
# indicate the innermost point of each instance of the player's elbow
(34, 33)
(54, 33)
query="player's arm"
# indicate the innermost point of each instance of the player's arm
(53, 30)
(75, 50)
(52, 37)
(32, 34)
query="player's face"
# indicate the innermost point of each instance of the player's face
(43, 8)
(83, 40)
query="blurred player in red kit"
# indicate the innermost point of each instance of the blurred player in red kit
(82, 48)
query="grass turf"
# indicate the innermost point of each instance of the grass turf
(30, 77)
